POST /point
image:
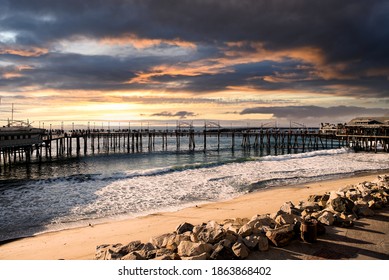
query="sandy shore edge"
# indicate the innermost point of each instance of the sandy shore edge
(80, 243)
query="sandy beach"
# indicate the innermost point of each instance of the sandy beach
(80, 243)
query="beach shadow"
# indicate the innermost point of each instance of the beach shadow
(347, 239)
(363, 241)
(321, 249)
(380, 216)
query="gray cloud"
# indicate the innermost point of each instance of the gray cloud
(179, 114)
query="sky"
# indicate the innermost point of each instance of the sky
(248, 62)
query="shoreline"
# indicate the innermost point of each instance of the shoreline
(80, 242)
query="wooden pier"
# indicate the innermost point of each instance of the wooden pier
(136, 141)
(60, 144)
(57, 144)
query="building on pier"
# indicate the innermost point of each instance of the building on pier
(367, 133)
(369, 126)
(20, 134)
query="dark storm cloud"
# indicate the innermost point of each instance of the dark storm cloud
(346, 29)
(302, 112)
(71, 72)
(352, 33)
(74, 71)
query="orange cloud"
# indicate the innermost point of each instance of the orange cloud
(250, 52)
(30, 52)
(191, 69)
(11, 75)
(142, 43)
(235, 53)
(17, 73)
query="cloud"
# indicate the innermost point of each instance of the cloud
(302, 112)
(179, 114)
(279, 24)
(199, 46)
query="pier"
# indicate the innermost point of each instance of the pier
(56, 144)
(61, 144)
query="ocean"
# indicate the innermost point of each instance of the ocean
(78, 191)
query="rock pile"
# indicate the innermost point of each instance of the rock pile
(236, 238)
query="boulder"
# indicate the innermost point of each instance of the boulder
(363, 210)
(160, 241)
(201, 257)
(383, 178)
(319, 200)
(233, 225)
(285, 218)
(148, 251)
(353, 195)
(116, 251)
(342, 220)
(173, 243)
(315, 215)
(132, 246)
(223, 251)
(240, 250)
(281, 236)
(184, 227)
(289, 208)
(245, 230)
(340, 204)
(257, 224)
(256, 241)
(167, 256)
(133, 256)
(251, 241)
(189, 249)
(263, 243)
(309, 207)
(374, 204)
(363, 189)
(231, 236)
(259, 221)
(326, 218)
(163, 252)
(101, 251)
(169, 240)
(163, 258)
(194, 238)
(365, 199)
(211, 233)
(197, 229)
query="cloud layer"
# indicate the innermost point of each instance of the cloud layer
(313, 48)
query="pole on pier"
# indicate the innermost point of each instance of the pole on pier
(205, 136)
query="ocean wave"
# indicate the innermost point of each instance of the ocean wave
(331, 152)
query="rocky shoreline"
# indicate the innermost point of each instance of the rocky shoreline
(237, 238)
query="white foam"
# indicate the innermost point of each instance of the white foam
(172, 190)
